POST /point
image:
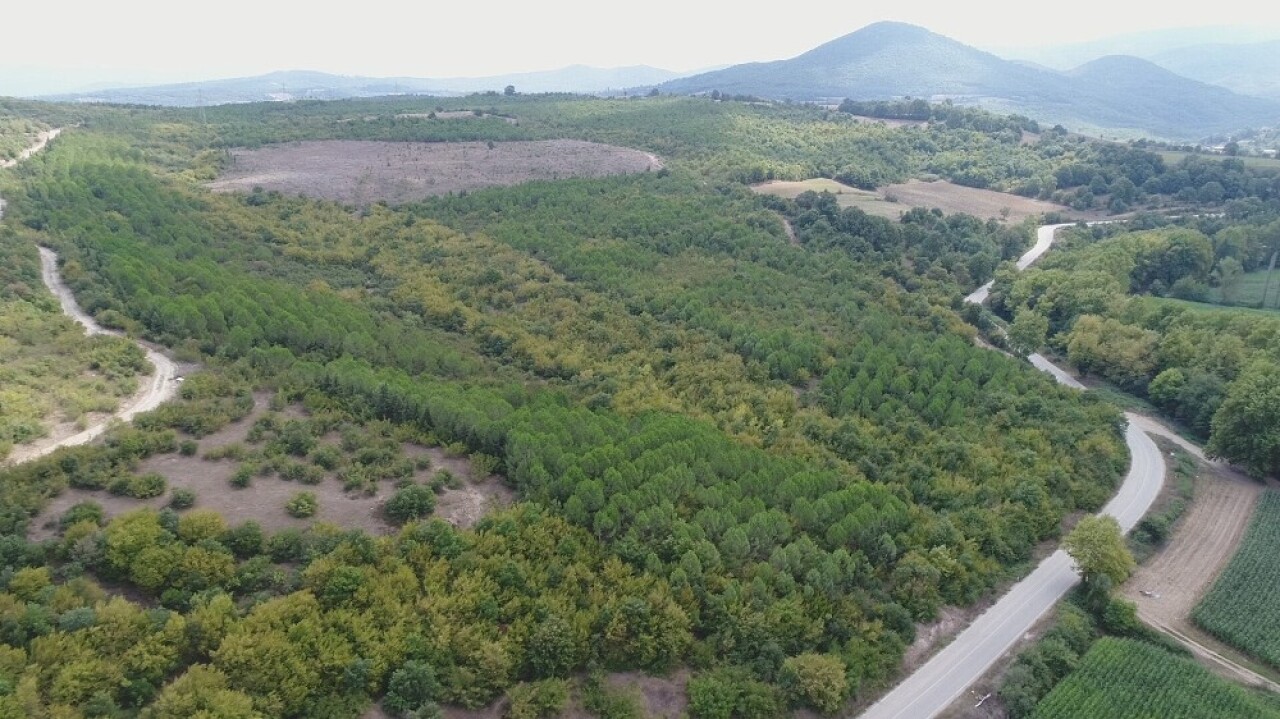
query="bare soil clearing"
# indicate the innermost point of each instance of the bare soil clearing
(360, 172)
(660, 697)
(264, 500)
(893, 200)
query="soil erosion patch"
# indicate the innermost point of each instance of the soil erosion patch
(360, 172)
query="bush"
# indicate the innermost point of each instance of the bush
(81, 512)
(326, 456)
(143, 486)
(182, 498)
(303, 505)
(537, 700)
(243, 476)
(410, 688)
(815, 680)
(410, 503)
(188, 448)
(732, 692)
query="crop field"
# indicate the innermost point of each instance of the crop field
(1127, 679)
(362, 172)
(1252, 285)
(1173, 157)
(893, 200)
(1243, 607)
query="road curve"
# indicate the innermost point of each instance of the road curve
(161, 385)
(934, 686)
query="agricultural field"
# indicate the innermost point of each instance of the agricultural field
(361, 172)
(1173, 157)
(1128, 679)
(891, 201)
(1249, 292)
(1243, 607)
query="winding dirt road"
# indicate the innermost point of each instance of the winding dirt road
(931, 688)
(159, 387)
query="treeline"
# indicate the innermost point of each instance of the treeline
(1207, 367)
(954, 116)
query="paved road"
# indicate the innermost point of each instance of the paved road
(161, 385)
(934, 686)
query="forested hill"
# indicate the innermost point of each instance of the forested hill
(893, 60)
(760, 458)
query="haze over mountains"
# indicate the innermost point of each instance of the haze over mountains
(1152, 84)
(308, 85)
(890, 60)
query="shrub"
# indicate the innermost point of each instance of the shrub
(411, 687)
(182, 498)
(815, 680)
(81, 512)
(410, 503)
(188, 447)
(537, 700)
(143, 486)
(243, 476)
(302, 505)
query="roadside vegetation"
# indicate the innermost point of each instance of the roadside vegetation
(52, 373)
(1099, 300)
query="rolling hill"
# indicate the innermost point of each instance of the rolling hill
(892, 60)
(308, 85)
(1249, 69)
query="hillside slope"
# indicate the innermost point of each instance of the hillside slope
(890, 60)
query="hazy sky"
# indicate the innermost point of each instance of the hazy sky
(170, 40)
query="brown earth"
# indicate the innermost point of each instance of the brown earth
(360, 172)
(263, 501)
(893, 200)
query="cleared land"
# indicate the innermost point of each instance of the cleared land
(361, 172)
(1205, 538)
(893, 200)
(264, 499)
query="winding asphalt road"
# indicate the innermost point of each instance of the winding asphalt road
(934, 686)
(161, 386)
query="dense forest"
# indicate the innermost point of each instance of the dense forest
(760, 461)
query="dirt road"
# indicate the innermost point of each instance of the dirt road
(159, 387)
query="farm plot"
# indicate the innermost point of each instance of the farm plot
(362, 172)
(893, 200)
(1243, 607)
(1127, 679)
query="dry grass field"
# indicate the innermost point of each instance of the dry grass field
(361, 172)
(893, 200)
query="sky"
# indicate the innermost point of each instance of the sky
(75, 43)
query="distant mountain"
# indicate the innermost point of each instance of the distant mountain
(1249, 69)
(893, 60)
(301, 84)
(887, 59)
(1147, 45)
